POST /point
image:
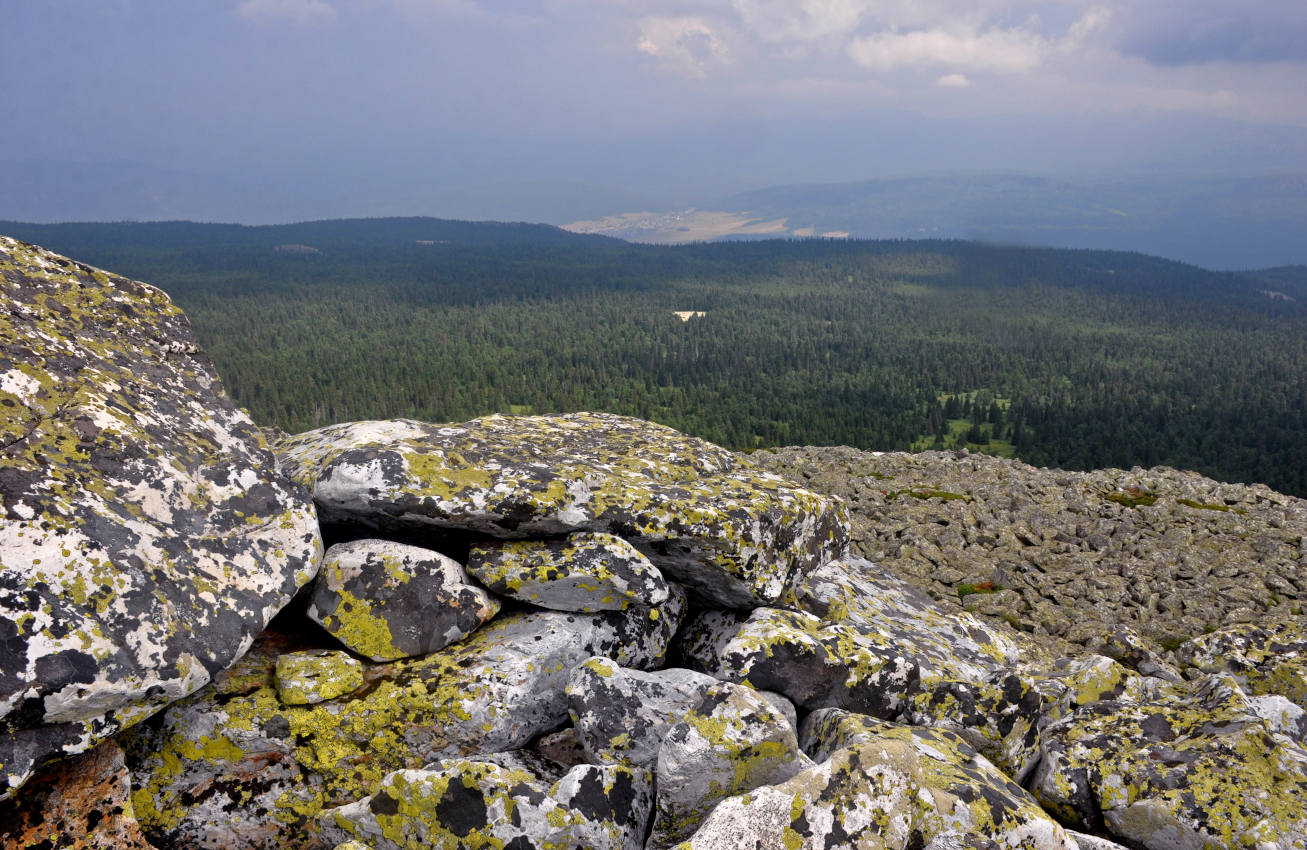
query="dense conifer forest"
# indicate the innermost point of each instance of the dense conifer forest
(1077, 359)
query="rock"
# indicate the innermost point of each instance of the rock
(963, 792)
(584, 572)
(792, 653)
(314, 676)
(1270, 659)
(621, 716)
(278, 765)
(731, 533)
(733, 741)
(1123, 644)
(146, 534)
(82, 803)
(465, 803)
(388, 600)
(1200, 770)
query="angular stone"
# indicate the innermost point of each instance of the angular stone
(584, 572)
(1269, 659)
(622, 716)
(314, 676)
(1200, 770)
(466, 803)
(275, 766)
(83, 803)
(388, 600)
(957, 792)
(733, 741)
(146, 534)
(706, 517)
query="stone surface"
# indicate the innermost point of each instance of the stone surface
(1080, 559)
(621, 716)
(1198, 770)
(146, 535)
(461, 803)
(1270, 659)
(584, 572)
(731, 742)
(389, 600)
(83, 803)
(728, 531)
(959, 792)
(314, 676)
(243, 751)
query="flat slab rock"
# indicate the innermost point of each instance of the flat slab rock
(146, 535)
(731, 533)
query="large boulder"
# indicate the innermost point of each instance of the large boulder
(146, 534)
(729, 532)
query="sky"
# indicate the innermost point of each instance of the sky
(440, 106)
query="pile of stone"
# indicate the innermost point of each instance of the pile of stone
(543, 632)
(1069, 555)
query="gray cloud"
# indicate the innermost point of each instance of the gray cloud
(1190, 32)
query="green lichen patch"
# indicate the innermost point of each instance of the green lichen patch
(314, 676)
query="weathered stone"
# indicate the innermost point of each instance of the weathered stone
(622, 716)
(584, 572)
(495, 691)
(1195, 771)
(1270, 659)
(731, 533)
(314, 676)
(731, 742)
(466, 803)
(83, 803)
(958, 791)
(388, 600)
(1122, 644)
(792, 653)
(146, 535)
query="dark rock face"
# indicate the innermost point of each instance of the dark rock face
(146, 534)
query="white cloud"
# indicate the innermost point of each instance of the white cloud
(954, 81)
(802, 21)
(686, 44)
(993, 49)
(307, 12)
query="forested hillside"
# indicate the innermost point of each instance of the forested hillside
(1077, 359)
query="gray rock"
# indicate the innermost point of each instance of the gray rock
(584, 572)
(731, 533)
(147, 534)
(275, 766)
(388, 600)
(468, 803)
(733, 741)
(621, 716)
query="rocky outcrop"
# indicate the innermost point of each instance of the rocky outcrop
(1069, 556)
(589, 631)
(728, 532)
(146, 534)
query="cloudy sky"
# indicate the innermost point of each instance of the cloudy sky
(408, 99)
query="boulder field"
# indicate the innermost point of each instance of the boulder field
(568, 631)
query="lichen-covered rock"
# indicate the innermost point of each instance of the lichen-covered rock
(83, 803)
(731, 742)
(461, 803)
(1270, 659)
(314, 676)
(621, 716)
(389, 600)
(733, 534)
(1124, 645)
(146, 535)
(793, 653)
(497, 690)
(584, 572)
(1199, 771)
(959, 792)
